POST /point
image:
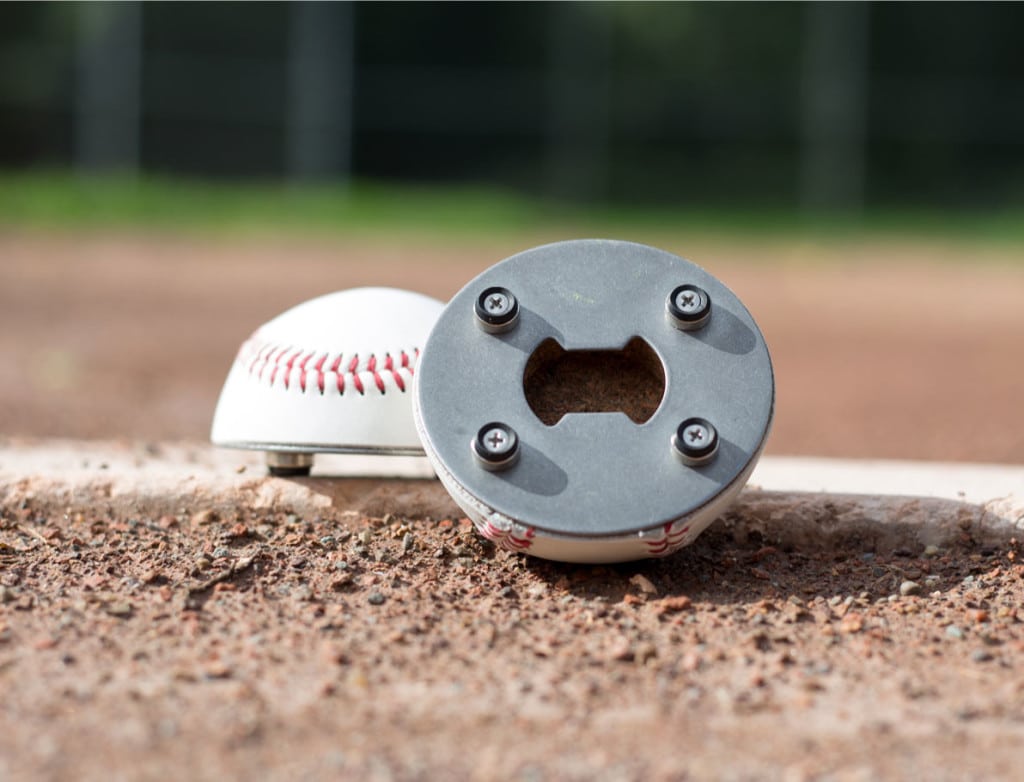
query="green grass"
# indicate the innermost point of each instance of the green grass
(63, 202)
(55, 201)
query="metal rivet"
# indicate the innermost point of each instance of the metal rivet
(496, 446)
(689, 307)
(497, 310)
(695, 442)
(284, 464)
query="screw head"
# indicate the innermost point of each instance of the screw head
(496, 446)
(695, 441)
(497, 310)
(689, 307)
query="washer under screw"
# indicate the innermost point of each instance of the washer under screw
(695, 442)
(497, 310)
(496, 446)
(689, 307)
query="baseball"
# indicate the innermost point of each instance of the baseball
(331, 375)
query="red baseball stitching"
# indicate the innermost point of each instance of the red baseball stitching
(669, 542)
(504, 538)
(523, 543)
(257, 356)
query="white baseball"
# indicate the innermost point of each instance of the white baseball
(331, 375)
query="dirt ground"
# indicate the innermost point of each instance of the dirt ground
(900, 350)
(208, 644)
(238, 643)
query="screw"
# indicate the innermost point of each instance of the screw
(496, 446)
(497, 310)
(695, 442)
(497, 304)
(689, 307)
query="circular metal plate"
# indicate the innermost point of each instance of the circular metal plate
(593, 476)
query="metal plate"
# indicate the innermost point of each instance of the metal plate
(593, 475)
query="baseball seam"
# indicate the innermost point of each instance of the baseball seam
(266, 360)
(504, 538)
(671, 539)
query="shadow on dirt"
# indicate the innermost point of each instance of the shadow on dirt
(780, 545)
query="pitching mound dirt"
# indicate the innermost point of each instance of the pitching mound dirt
(173, 612)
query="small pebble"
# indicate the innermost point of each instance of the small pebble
(622, 651)
(120, 609)
(376, 599)
(952, 631)
(645, 652)
(981, 655)
(221, 552)
(217, 670)
(644, 584)
(931, 551)
(203, 517)
(327, 541)
(910, 588)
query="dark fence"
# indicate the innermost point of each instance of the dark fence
(820, 105)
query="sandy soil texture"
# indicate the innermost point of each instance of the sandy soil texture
(389, 642)
(248, 643)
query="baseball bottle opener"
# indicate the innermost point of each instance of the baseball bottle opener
(573, 484)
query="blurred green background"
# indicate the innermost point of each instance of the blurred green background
(174, 174)
(488, 117)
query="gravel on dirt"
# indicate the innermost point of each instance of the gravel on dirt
(211, 634)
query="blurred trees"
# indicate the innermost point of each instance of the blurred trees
(825, 106)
